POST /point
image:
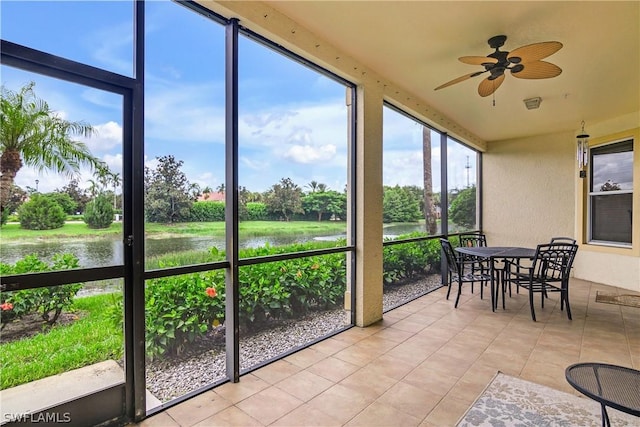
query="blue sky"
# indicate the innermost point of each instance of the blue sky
(293, 121)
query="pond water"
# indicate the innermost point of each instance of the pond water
(109, 251)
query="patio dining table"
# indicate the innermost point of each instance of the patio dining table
(493, 254)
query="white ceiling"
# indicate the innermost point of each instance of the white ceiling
(416, 44)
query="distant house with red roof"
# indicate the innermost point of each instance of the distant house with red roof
(212, 197)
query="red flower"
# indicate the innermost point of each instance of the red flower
(6, 306)
(211, 292)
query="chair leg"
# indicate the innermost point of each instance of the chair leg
(533, 311)
(459, 292)
(449, 289)
(564, 294)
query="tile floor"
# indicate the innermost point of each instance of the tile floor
(422, 365)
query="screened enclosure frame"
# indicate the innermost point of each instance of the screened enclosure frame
(127, 401)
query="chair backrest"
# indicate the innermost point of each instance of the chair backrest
(452, 260)
(553, 261)
(472, 240)
(570, 240)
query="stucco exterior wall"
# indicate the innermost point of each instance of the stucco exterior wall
(529, 190)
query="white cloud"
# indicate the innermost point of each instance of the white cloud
(309, 154)
(180, 112)
(107, 137)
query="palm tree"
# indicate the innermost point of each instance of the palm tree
(429, 210)
(116, 181)
(313, 185)
(34, 135)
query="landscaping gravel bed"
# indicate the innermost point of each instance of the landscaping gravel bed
(204, 363)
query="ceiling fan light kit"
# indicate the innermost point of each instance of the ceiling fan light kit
(524, 63)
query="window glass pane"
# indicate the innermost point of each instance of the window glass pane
(287, 305)
(411, 198)
(462, 176)
(411, 208)
(185, 344)
(97, 33)
(611, 218)
(48, 356)
(612, 170)
(293, 149)
(184, 137)
(78, 211)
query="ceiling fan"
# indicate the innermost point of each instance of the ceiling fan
(523, 62)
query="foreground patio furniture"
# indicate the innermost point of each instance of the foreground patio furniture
(569, 240)
(474, 240)
(493, 255)
(609, 385)
(461, 271)
(549, 272)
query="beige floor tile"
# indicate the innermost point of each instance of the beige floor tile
(304, 385)
(409, 325)
(369, 383)
(380, 414)
(426, 378)
(333, 369)
(305, 358)
(159, 420)
(330, 346)
(393, 334)
(389, 366)
(269, 404)
(411, 353)
(447, 412)
(198, 408)
(277, 371)
(231, 416)
(410, 399)
(341, 402)
(375, 345)
(307, 416)
(356, 355)
(247, 386)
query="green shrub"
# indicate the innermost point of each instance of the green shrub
(256, 211)
(69, 206)
(207, 211)
(49, 302)
(99, 213)
(409, 260)
(180, 309)
(41, 213)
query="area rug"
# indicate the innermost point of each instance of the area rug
(628, 300)
(509, 401)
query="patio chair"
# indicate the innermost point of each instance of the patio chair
(549, 272)
(459, 270)
(569, 240)
(474, 240)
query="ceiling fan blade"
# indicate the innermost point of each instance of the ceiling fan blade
(459, 79)
(538, 70)
(477, 60)
(534, 52)
(487, 87)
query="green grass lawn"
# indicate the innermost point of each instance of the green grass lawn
(12, 231)
(91, 339)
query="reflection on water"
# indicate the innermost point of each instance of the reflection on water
(109, 251)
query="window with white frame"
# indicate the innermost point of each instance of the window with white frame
(611, 193)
